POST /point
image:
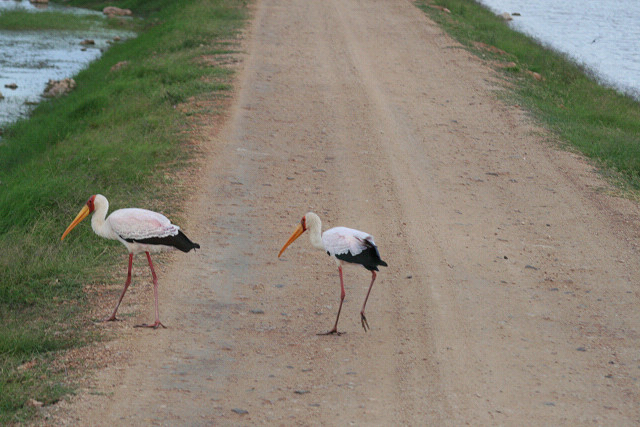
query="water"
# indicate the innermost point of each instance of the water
(602, 35)
(30, 58)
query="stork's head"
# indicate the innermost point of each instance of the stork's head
(310, 221)
(88, 208)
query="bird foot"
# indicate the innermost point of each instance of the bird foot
(365, 324)
(112, 318)
(154, 325)
(331, 332)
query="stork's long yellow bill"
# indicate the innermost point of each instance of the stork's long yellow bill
(298, 231)
(81, 215)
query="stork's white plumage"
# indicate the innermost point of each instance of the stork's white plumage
(140, 230)
(346, 245)
(343, 240)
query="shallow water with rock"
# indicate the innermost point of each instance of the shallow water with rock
(30, 59)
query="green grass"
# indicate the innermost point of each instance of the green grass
(119, 133)
(600, 122)
(33, 342)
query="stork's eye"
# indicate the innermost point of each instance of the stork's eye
(303, 221)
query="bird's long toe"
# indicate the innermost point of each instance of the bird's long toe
(365, 324)
(155, 325)
(331, 332)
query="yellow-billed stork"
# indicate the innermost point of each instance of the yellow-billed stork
(139, 230)
(346, 245)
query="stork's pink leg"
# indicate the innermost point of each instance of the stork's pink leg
(342, 295)
(155, 295)
(363, 319)
(126, 286)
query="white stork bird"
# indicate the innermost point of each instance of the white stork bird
(346, 245)
(139, 230)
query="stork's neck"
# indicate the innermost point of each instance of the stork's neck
(314, 225)
(98, 221)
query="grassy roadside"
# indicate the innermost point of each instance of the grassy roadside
(120, 133)
(599, 122)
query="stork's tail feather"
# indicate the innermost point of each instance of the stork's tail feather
(377, 259)
(184, 243)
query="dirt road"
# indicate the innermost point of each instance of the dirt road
(511, 296)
